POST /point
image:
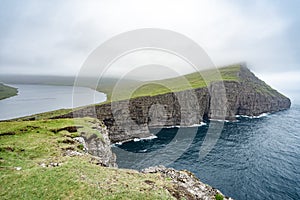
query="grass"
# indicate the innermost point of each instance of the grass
(263, 88)
(7, 91)
(201, 79)
(219, 197)
(45, 115)
(125, 90)
(27, 144)
(128, 89)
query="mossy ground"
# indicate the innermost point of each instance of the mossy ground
(27, 144)
(7, 91)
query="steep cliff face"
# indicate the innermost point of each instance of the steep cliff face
(98, 145)
(251, 96)
(128, 119)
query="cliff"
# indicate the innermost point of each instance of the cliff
(186, 185)
(68, 159)
(244, 94)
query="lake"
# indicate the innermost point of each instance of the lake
(33, 99)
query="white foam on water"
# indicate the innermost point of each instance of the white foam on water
(220, 120)
(253, 117)
(198, 125)
(146, 138)
(193, 125)
(116, 144)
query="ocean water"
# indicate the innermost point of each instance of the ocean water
(32, 99)
(252, 158)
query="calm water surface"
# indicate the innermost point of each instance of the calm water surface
(252, 159)
(32, 99)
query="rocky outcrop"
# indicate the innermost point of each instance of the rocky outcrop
(252, 96)
(185, 185)
(129, 119)
(98, 145)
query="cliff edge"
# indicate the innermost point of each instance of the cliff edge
(237, 92)
(72, 159)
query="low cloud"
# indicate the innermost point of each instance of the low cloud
(55, 37)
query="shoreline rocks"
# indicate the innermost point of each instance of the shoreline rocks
(186, 185)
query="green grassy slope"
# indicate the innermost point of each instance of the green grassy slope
(190, 81)
(127, 89)
(25, 145)
(7, 91)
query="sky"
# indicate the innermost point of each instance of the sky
(56, 37)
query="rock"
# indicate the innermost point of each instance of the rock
(129, 119)
(18, 168)
(82, 141)
(51, 164)
(72, 153)
(43, 165)
(185, 184)
(154, 169)
(98, 145)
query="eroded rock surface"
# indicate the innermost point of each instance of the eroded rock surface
(129, 119)
(186, 185)
(98, 145)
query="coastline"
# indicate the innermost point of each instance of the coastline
(7, 91)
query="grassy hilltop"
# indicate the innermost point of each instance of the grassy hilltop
(238, 72)
(140, 88)
(7, 91)
(126, 89)
(26, 145)
(35, 164)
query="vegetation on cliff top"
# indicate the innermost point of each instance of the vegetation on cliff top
(7, 91)
(28, 145)
(131, 89)
(190, 81)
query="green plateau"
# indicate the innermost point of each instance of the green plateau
(7, 91)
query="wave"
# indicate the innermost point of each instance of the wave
(116, 144)
(220, 120)
(253, 117)
(134, 139)
(193, 125)
(197, 125)
(146, 138)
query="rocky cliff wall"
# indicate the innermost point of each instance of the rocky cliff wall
(186, 185)
(98, 145)
(130, 119)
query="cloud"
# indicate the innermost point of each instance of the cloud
(40, 37)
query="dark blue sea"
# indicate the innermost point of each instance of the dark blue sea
(249, 159)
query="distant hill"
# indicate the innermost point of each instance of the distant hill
(127, 89)
(7, 91)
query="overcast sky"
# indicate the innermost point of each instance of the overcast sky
(55, 37)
